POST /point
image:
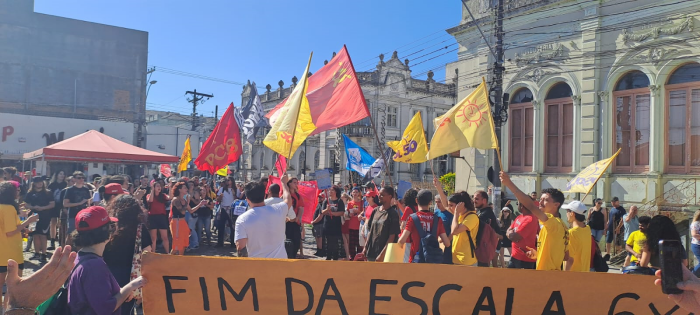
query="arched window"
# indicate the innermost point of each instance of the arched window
(632, 123)
(683, 116)
(559, 129)
(521, 131)
(302, 161)
(317, 160)
(261, 164)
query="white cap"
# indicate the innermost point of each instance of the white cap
(575, 206)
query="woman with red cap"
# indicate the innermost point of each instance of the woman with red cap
(92, 289)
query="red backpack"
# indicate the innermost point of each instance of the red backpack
(486, 242)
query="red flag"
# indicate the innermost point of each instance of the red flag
(223, 146)
(165, 170)
(281, 165)
(308, 192)
(335, 96)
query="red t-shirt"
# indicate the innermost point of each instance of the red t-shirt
(157, 206)
(407, 213)
(368, 213)
(426, 220)
(355, 208)
(297, 202)
(528, 227)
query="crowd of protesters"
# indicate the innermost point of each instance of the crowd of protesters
(111, 220)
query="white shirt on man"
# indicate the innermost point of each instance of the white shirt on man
(291, 215)
(264, 227)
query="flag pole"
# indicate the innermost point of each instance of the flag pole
(380, 144)
(296, 120)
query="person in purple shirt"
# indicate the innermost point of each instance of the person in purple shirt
(92, 289)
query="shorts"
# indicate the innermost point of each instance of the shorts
(610, 237)
(158, 222)
(3, 269)
(55, 212)
(519, 264)
(318, 230)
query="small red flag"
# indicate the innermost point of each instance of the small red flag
(223, 146)
(335, 96)
(166, 170)
(281, 165)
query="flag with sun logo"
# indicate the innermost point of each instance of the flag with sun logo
(466, 125)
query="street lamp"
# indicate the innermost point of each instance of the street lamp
(149, 87)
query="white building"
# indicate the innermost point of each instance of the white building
(393, 97)
(586, 78)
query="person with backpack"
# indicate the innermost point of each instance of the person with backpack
(92, 289)
(554, 235)
(578, 253)
(465, 227)
(422, 231)
(485, 212)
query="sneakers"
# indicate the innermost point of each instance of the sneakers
(36, 256)
(606, 257)
(42, 259)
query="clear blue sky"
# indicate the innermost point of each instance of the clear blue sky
(266, 41)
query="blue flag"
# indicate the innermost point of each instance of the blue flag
(358, 159)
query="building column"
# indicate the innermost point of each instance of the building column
(656, 114)
(538, 137)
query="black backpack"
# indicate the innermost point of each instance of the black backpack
(599, 264)
(429, 250)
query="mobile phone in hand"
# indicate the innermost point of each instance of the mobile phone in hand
(671, 264)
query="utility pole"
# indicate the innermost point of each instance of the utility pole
(196, 98)
(500, 113)
(216, 114)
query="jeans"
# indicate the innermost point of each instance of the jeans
(597, 234)
(696, 252)
(293, 233)
(204, 223)
(224, 222)
(192, 223)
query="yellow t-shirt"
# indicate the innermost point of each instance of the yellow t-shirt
(551, 244)
(461, 250)
(580, 248)
(10, 247)
(636, 240)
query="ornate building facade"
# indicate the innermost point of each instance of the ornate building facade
(586, 79)
(393, 97)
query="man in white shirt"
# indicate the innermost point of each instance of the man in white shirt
(262, 228)
(274, 192)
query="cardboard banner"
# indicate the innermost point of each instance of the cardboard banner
(323, 178)
(213, 285)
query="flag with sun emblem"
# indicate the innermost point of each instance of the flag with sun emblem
(466, 125)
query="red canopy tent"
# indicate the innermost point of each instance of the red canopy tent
(93, 146)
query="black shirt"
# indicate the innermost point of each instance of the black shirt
(331, 224)
(487, 215)
(40, 199)
(75, 195)
(317, 213)
(178, 209)
(119, 253)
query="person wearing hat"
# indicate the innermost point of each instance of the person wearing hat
(578, 253)
(92, 289)
(110, 191)
(41, 202)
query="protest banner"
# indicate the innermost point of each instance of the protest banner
(265, 286)
(323, 178)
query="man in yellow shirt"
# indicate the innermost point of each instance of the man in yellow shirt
(578, 254)
(636, 240)
(554, 236)
(465, 225)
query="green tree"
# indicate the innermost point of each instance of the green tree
(448, 183)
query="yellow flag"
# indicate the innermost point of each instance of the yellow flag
(223, 171)
(586, 179)
(294, 122)
(412, 148)
(466, 125)
(186, 157)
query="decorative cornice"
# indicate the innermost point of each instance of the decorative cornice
(538, 54)
(656, 32)
(654, 89)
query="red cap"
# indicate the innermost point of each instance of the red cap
(371, 193)
(91, 218)
(114, 189)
